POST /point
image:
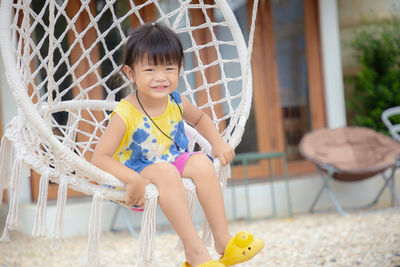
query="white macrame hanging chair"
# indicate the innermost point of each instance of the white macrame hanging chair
(44, 77)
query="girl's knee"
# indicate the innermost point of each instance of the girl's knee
(201, 163)
(162, 173)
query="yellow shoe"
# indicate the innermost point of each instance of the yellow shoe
(206, 264)
(241, 248)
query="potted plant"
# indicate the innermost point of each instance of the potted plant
(377, 85)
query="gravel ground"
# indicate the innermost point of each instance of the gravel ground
(364, 239)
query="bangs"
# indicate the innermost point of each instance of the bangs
(159, 44)
(163, 51)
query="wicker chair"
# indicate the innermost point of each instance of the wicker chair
(47, 79)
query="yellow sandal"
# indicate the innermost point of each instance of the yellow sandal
(241, 248)
(206, 264)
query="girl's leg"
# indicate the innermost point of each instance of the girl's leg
(174, 203)
(201, 170)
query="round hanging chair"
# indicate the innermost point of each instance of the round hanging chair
(354, 153)
(62, 64)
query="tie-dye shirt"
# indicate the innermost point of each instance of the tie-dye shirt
(143, 144)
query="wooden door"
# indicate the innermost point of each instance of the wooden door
(288, 84)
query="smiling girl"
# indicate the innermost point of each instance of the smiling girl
(145, 142)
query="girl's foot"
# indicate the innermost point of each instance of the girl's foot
(196, 254)
(220, 243)
(206, 264)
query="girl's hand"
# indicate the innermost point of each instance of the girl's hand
(224, 152)
(134, 194)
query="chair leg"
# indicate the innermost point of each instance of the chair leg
(335, 201)
(317, 197)
(386, 184)
(125, 212)
(393, 189)
(114, 218)
(131, 229)
(325, 179)
(391, 184)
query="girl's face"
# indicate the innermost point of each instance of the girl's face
(154, 81)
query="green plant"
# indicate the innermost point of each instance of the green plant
(377, 85)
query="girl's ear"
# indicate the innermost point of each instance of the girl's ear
(129, 73)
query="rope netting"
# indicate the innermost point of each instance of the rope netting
(67, 54)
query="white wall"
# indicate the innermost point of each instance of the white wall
(332, 65)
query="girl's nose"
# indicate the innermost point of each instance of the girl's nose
(160, 76)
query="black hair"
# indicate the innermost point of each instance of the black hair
(158, 42)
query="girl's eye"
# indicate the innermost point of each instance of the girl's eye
(171, 68)
(148, 69)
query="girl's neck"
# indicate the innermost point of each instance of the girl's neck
(153, 107)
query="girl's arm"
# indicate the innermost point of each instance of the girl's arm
(103, 158)
(204, 125)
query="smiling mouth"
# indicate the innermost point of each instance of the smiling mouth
(160, 87)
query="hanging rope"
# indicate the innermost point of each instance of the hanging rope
(39, 227)
(147, 237)
(6, 152)
(92, 256)
(59, 220)
(13, 222)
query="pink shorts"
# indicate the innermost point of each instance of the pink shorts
(180, 163)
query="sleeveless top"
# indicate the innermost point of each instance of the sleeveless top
(143, 144)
